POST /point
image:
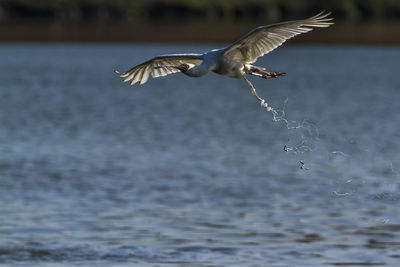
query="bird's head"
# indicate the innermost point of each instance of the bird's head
(182, 67)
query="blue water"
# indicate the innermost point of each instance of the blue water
(193, 172)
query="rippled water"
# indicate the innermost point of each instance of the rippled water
(193, 172)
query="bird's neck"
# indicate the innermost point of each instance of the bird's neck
(197, 71)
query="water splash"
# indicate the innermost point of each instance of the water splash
(308, 130)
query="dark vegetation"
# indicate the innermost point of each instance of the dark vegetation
(84, 10)
(155, 20)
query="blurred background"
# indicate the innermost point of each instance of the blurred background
(360, 21)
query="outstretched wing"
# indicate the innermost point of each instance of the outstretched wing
(264, 39)
(160, 66)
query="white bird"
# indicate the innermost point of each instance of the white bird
(234, 60)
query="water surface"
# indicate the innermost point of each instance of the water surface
(193, 172)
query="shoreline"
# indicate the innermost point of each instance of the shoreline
(191, 32)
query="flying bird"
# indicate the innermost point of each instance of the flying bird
(234, 60)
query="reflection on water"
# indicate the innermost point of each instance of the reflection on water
(193, 172)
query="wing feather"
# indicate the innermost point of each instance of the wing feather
(264, 39)
(140, 73)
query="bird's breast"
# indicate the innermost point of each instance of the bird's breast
(233, 69)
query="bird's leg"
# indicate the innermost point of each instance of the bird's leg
(265, 74)
(254, 92)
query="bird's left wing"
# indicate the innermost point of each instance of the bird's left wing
(160, 66)
(264, 39)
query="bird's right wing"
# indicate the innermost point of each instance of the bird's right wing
(160, 66)
(264, 39)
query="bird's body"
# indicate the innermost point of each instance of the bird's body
(227, 66)
(235, 60)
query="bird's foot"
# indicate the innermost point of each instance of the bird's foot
(266, 74)
(273, 74)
